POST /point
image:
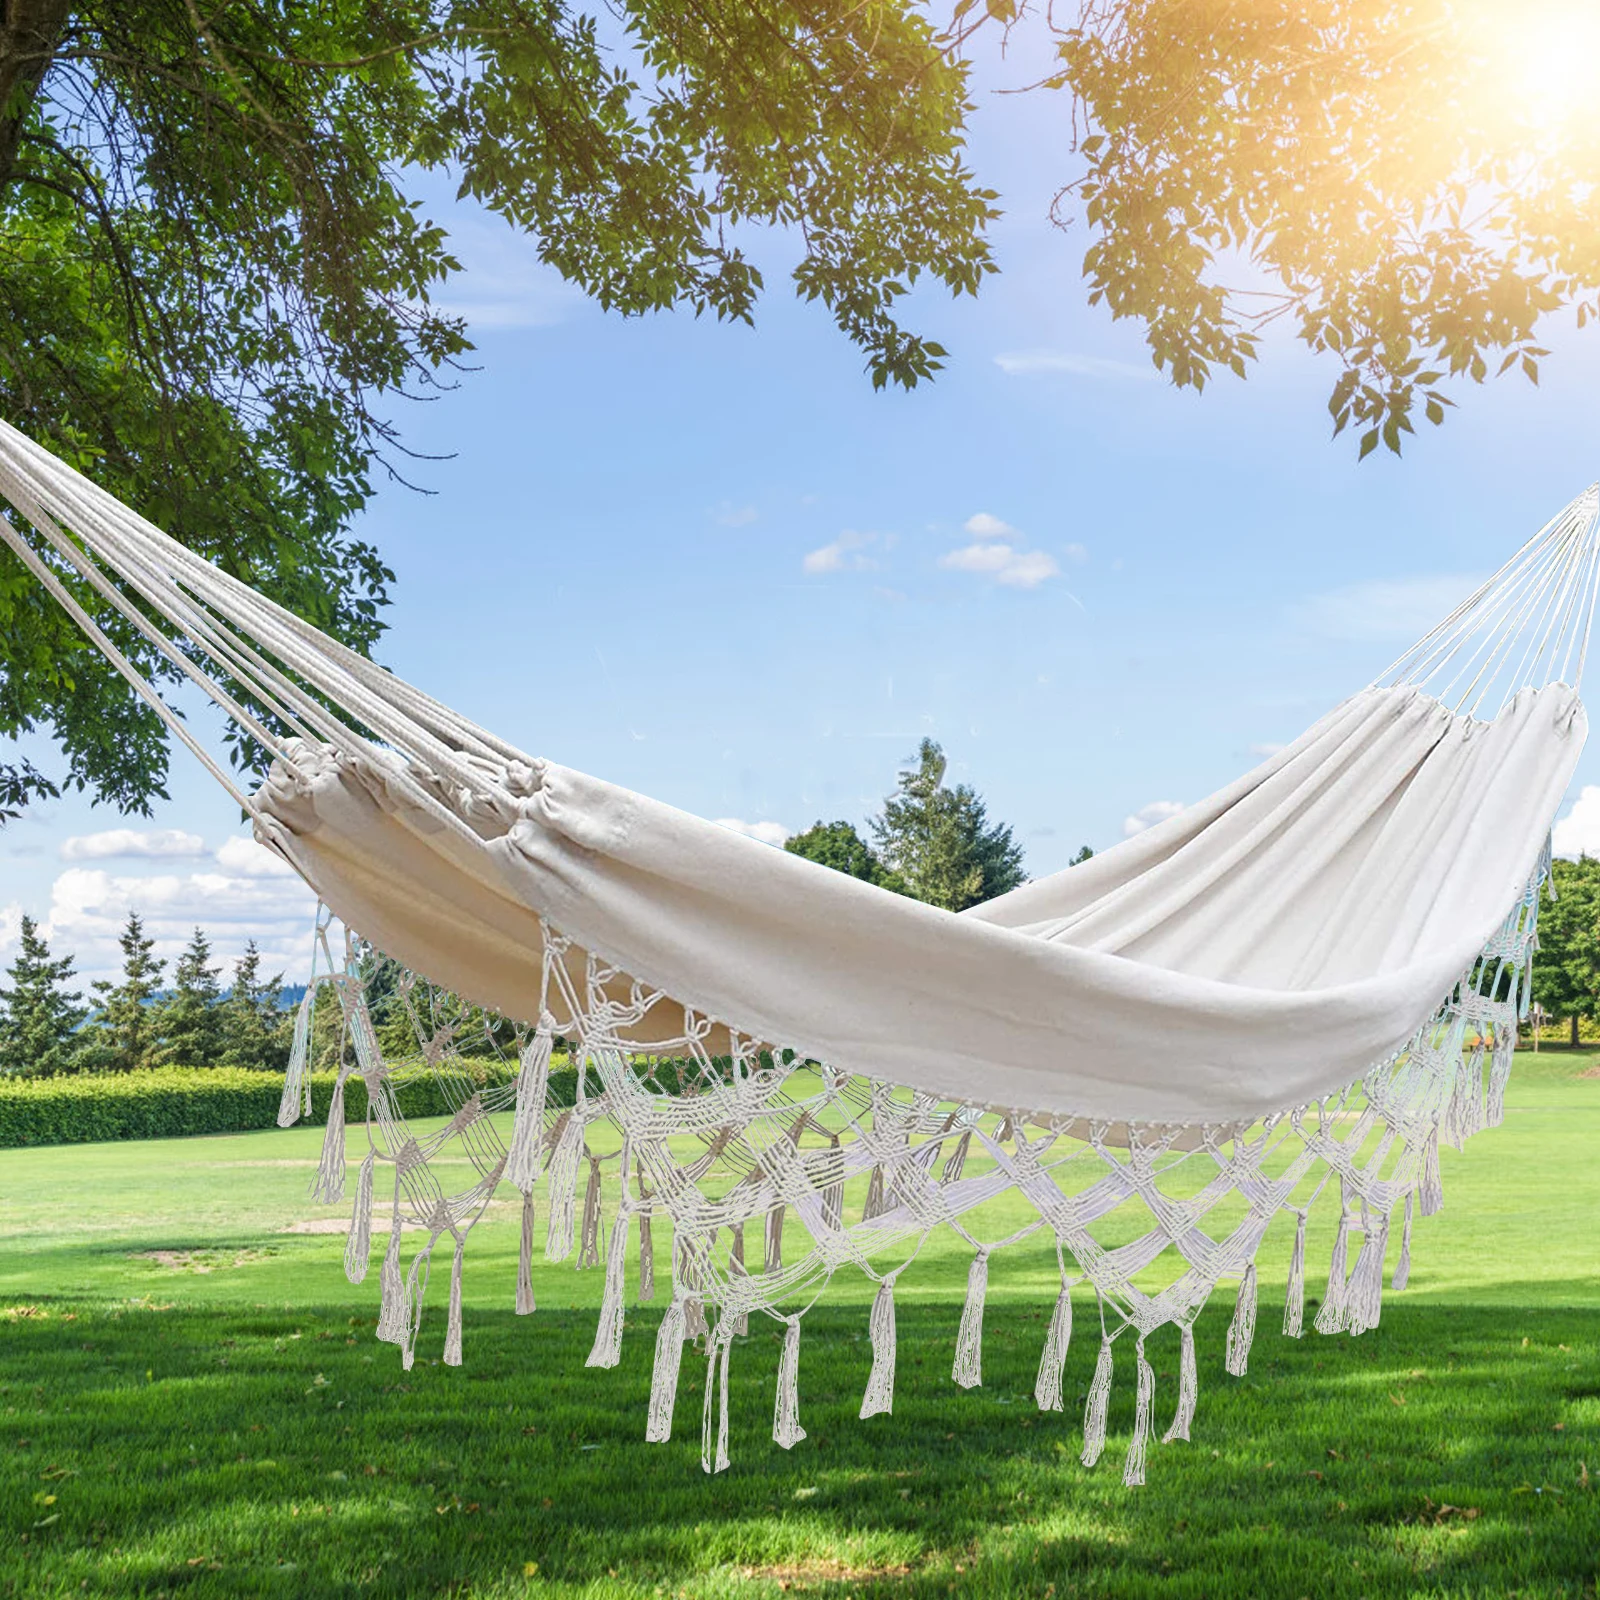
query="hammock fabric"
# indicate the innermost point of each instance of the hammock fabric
(1300, 985)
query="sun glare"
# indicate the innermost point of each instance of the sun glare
(1552, 58)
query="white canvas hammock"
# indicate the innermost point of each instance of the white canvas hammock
(1298, 986)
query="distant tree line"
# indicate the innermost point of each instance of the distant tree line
(134, 1022)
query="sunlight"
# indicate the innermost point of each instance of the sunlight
(1551, 53)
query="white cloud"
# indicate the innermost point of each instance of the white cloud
(10, 928)
(1077, 554)
(1397, 611)
(242, 857)
(1148, 816)
(1018, 569)
(1032, 363)
(843, 555)
(983, 526)
(131, 842)
(773, 833)
(1578, 833)
(729, 515)
(503, 283)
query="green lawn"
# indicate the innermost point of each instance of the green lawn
(191, 1402)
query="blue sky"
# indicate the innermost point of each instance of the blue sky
(711, 563)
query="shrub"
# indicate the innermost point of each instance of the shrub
(171, 1102)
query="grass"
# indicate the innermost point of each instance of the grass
(191, 1402)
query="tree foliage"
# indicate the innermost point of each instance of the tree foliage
(216, 281)
(1566, 968)
(253, 1030)
(1409, 185)
(838, 845)
(939, 840)
(188, 1017)
(38, 1013)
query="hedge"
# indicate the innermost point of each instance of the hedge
(170, 1102)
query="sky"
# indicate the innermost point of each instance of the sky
(713, 564)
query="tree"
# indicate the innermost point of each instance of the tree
(940, 841)
(124, 1037)
(253, 1029)
(1410, 186)
(189, 1017)
(1566, 968)
(1084, 854)
(217, 283)
(39, 1016)
(838, 845)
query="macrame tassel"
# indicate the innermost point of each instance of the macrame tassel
(1133, 1470)
(358, 1247)
(880, 1385)
(786, 1429)
(1499, 1073)
(1188, 1385)
(296, 1101)
(1430, 1192)
(607, 1351)
(968, 1368)
(874, 1206)
(1053, 1359)
(525, 1303)
(1331, 1316)
(957, 1159)
(328, 1186)
(1402, 1267)
(452, 1330)
(1099, 1402)
(714, 1447)
(736, 1269)
(664, 1379)
(1365, 1301)
(774, 1243)
(1242, 1330)
(411, 1312)
(647, 1260)
(527, 1129)
(589, 1239)
(694, 1318)
(563, 1191)
(1294, 1299)
(391, 1304)
(833, 1194)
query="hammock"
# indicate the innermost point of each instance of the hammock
(1300, 985)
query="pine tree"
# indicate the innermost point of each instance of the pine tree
(125, 1035)
(255, 1031)
(1566, 970)
(941, 842)
(188, 1018)
(39, 1016)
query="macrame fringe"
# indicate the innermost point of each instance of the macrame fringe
(589, 1239)
(1331, 1314)
(1242, 1330)
(1133, 1468)
(391, 1303)
(647, 1260)
(527, 1128)
(957, 1161)
(416, 1287)
(786, 1429)
(968, 1368)
(1188, 1388)
(1294, 1298)
(328, 1186)
(694, 1318)
(1364, 1305)
(452, 1331)
(1499, 1073)
(714, 1446)
(773, 1255)
(664, 1377)
(525, 1302)
(1402, 1267)
(564, 1191)
(874, 1206)
(1430, 1192)
(358, 1247)
(607, 1351)
(296, 1101)
(879, 1397)
(736, 1268)
(1095, 1408)
(1053, 1359)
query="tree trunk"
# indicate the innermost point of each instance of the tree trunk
(30, 34)
(1574, 1031)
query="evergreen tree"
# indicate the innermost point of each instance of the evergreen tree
(1566, 968)
(254, 1029)
(940, 841)
(1084, 854)
(189, 1018)
(838, 845)
(125, 1035)
(39, 1016)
